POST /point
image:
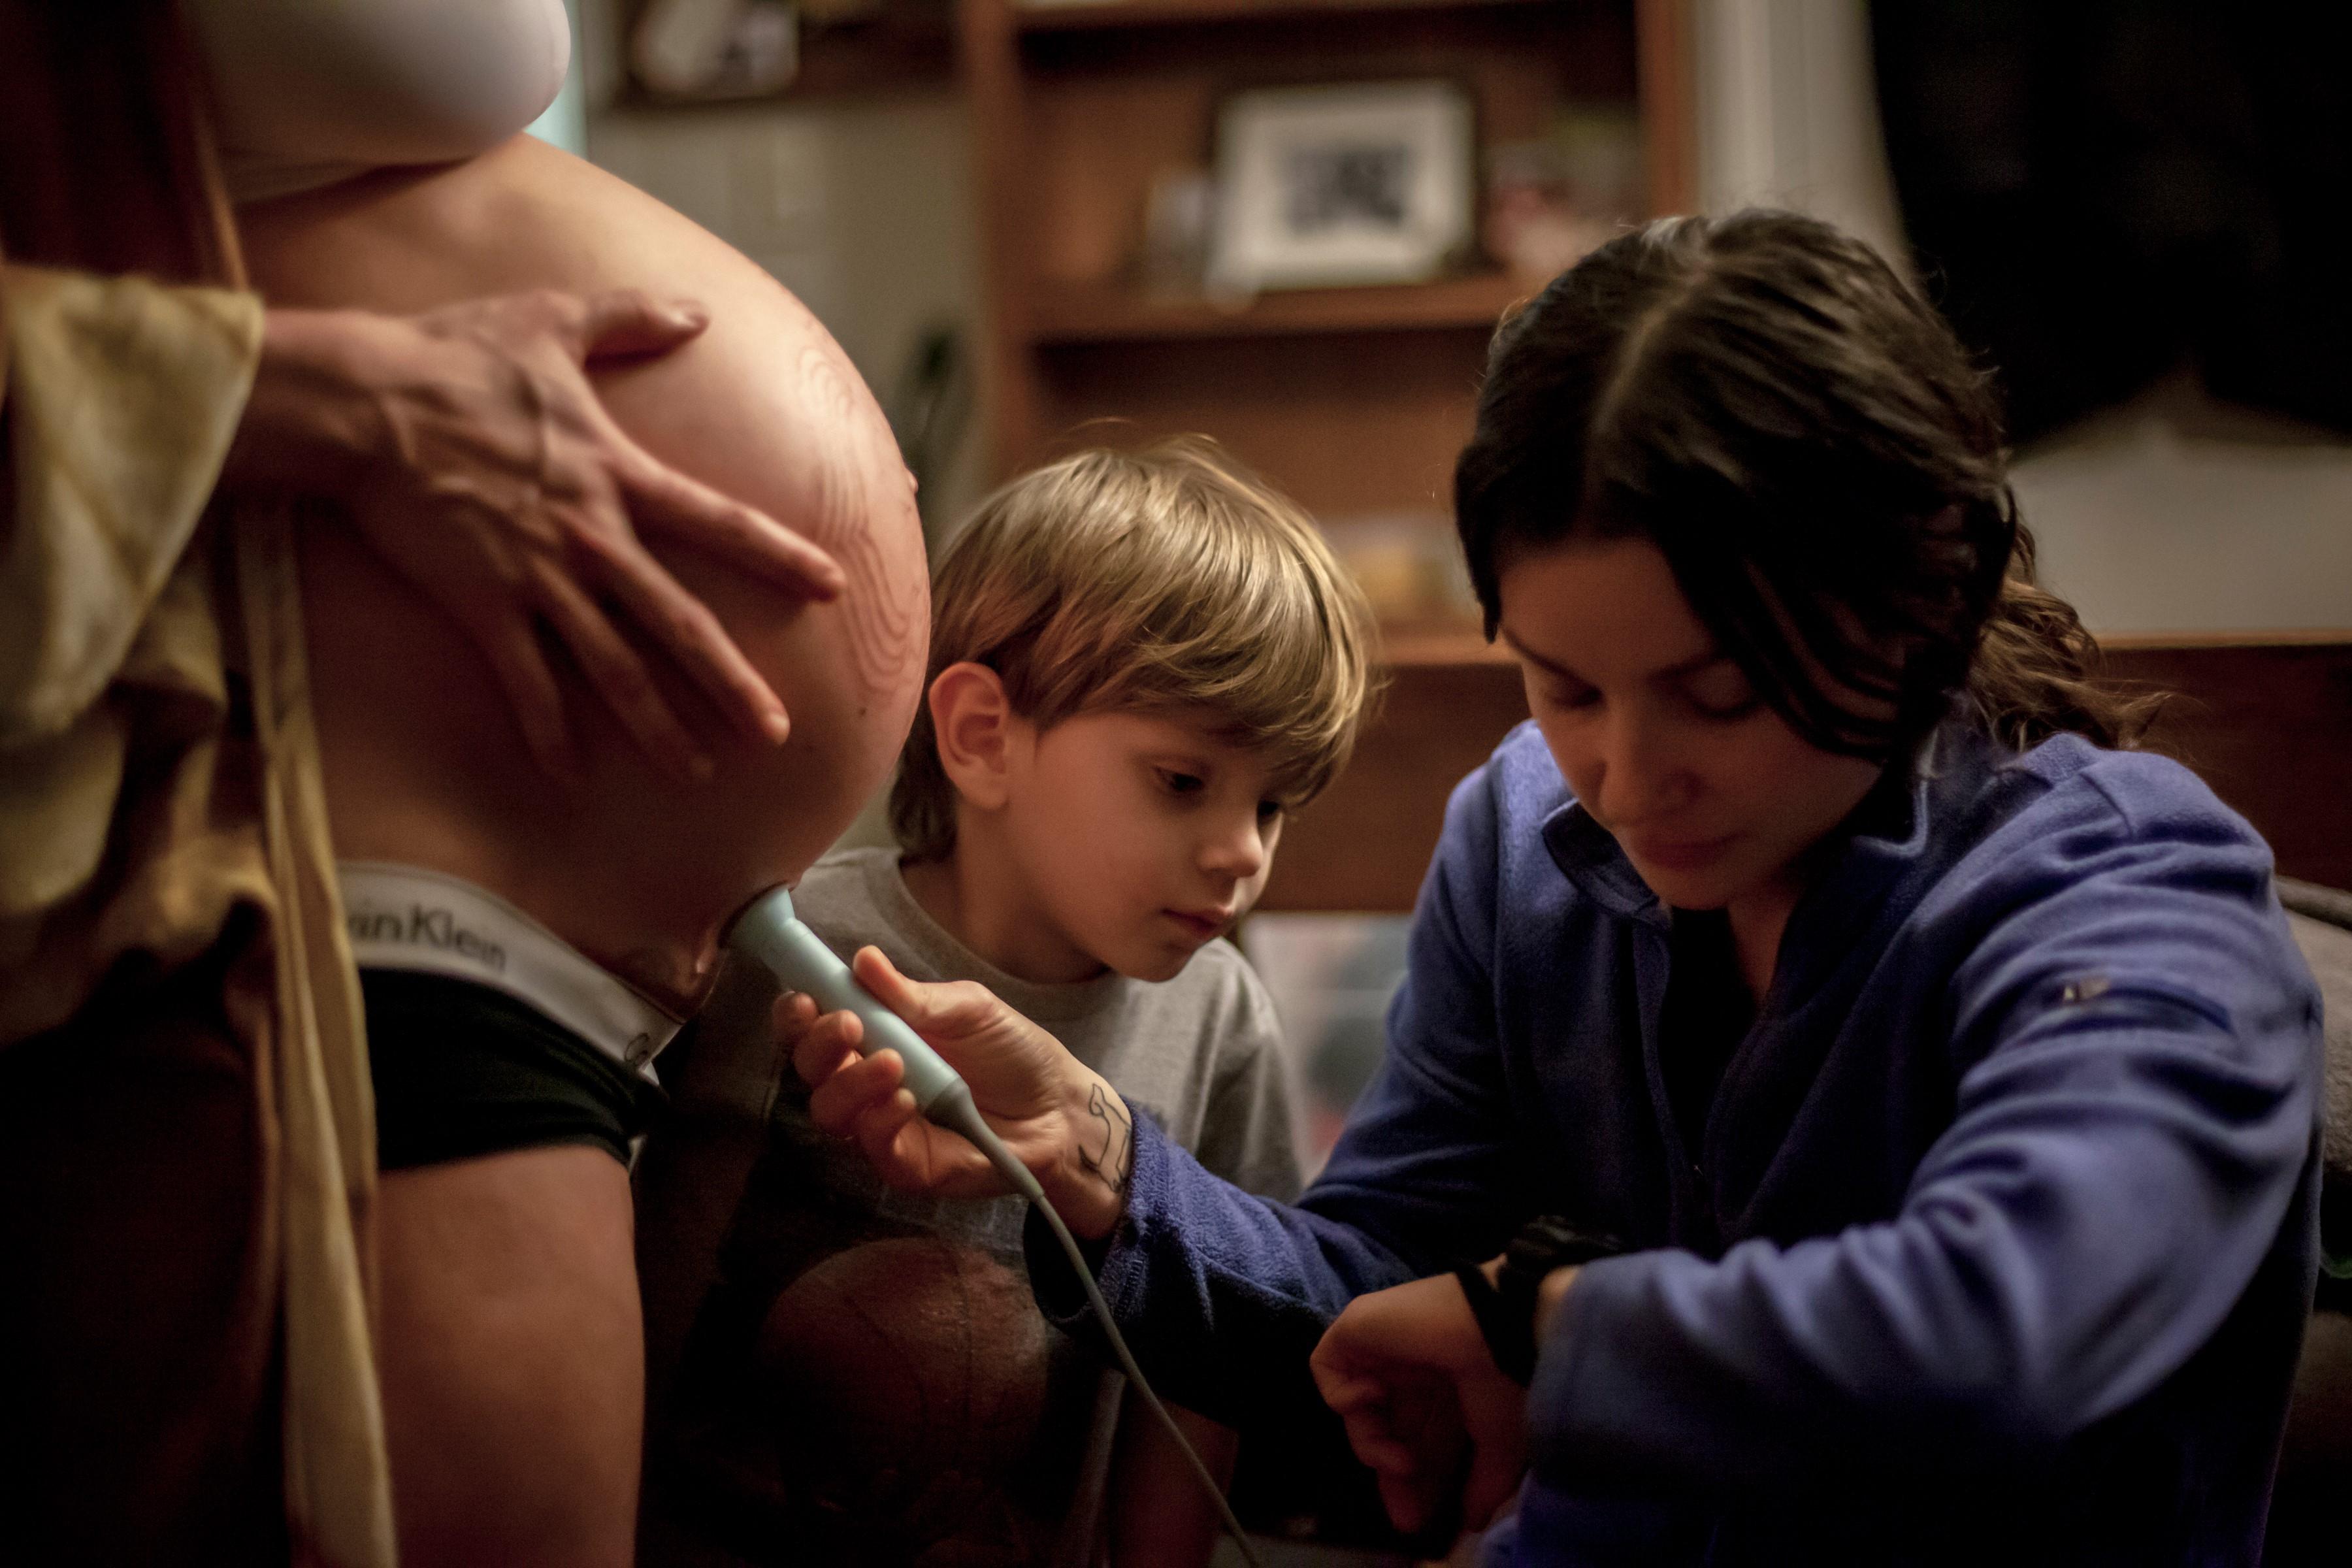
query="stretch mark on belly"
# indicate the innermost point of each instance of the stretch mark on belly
(865, 516)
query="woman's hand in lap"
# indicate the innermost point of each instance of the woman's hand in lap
(1409, 1373)
(1060, 1116)
(474, 456)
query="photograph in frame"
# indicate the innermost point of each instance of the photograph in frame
(1357, 184)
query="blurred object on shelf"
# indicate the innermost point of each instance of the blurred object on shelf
(690, 54)
(704, 51)
(1408, 566)
(1603, 149)
(1329, 185)
(1552, 200)
(1180, 218)
(678, 44)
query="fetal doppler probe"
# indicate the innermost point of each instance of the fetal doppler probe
(768, 933)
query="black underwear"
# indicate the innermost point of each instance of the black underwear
(462, 1070)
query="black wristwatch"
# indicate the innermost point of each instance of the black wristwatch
(1505, 1309)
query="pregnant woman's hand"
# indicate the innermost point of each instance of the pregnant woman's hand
(472, 453)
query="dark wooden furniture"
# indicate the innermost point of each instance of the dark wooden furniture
(1354, 400)
(2268, 723)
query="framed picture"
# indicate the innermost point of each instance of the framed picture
(1363, 183)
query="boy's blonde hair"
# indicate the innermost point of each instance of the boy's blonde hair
(1165, 580)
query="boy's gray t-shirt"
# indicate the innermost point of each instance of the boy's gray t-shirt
(843, 1373)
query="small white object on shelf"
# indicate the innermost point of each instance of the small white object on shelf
(708, 49)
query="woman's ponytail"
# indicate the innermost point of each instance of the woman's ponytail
(2037, 671)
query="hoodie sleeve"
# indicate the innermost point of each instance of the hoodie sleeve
(2136, 1120)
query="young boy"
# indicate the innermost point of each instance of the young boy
(1139, 665)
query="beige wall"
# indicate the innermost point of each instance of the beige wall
(2172, 515)
(2178, 514)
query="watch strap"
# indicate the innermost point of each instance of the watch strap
(1506, 1309)
(1509, 1333)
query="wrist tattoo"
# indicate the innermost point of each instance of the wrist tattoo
(1114, 1160)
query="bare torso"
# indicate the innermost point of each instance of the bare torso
(763, 407)
(510, 1342)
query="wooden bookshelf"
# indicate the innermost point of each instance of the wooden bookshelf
(1355, 400)
(1406, 651)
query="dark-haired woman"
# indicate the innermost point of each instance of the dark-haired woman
(1892, 1098)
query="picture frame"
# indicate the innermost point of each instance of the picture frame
(1343, 185)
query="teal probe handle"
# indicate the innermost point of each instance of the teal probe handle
(770, 932)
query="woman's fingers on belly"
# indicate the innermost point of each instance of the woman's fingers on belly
(621, 678)
(629, 322)
(620, 322)
(511, 646)
(684, 630)
(662, 499)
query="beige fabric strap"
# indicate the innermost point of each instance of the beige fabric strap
(122, 399)
(338, 1485)
(132, 620)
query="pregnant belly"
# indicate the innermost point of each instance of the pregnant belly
(509, 1294)
(763, 407)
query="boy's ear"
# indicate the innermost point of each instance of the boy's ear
(973, 723)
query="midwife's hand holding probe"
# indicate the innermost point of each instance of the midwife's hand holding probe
(1407, 1369)
(1060, 1116)
(1057, 1131)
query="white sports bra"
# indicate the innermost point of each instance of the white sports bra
(311, 91)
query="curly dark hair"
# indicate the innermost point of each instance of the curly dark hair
(1818, 458)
